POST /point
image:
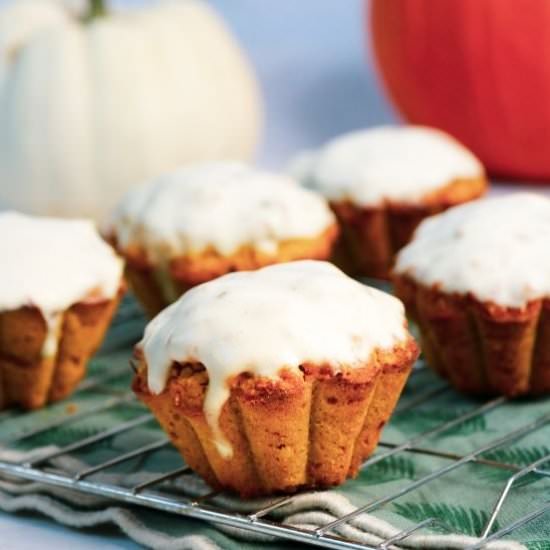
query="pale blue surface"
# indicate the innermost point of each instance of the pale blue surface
(34, 533)
(317, 82)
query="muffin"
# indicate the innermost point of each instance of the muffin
(59, 286)
(382, 182)
(272, 380)
(477, 281)
(203, 221)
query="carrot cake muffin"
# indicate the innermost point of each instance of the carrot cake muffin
(382, 182)
(276, 379)
(203, 221)
(59, 286)
(477, 280)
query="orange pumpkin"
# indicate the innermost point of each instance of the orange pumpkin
(479, 69)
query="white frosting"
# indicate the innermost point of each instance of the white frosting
(261, 321)
(386, 163)
(54, 325)
(52, 264)
(222, 205)
(496, 249)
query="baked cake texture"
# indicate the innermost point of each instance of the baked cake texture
(278, 379)
(477, 281)
(203, 221)
(382, 182)
(59, 287)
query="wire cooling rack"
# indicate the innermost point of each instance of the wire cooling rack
(151, 493)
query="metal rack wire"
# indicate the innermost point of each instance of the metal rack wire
(152, 494)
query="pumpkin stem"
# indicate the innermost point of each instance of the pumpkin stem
(96, 9)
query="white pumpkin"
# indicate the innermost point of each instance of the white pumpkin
(91, 107)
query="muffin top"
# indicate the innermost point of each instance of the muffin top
(223, 206)
(52, 263)
(281, 316)
(494, 249)
(388, 163)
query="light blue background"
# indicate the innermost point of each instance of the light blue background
(314, 67)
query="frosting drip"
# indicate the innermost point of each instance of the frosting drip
(261, 321)
(54, 323)
(222, 205)
(386, 163)
(52, 264)
(495, 249)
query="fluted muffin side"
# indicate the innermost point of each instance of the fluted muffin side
(59, 286)
(308, 428)
(481, 347)
(30, 376)
(371, 236)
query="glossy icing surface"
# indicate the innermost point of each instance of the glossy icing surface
(53, 263)
(495, 249)
(221, 205)
(386, 163)
(261, 321)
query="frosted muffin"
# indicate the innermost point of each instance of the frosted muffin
(204, 221)
(477, 281)
(59, 287)
(272, 380)
(382, 182)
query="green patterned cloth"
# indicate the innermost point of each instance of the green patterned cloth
(462, 499)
